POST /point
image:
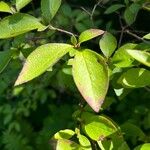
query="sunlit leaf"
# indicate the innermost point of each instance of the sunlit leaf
(64, 134)
(147, 36)
(89, 34)
(97, 127)
(21, 3)
(135, 78)
(64, 144)
(17, 24)
(84, 142)
(91, 77)
(145, 146)
(121, 58)
(41, 59)
(49, 8)
(4, 7)
(141, 56)
(108, 44)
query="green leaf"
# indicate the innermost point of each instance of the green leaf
(147, 36)
(5, 57)
(108, 44)
(90, 74)
(84, 142)
(121, 58)
(64, 134)
(135, 78)
(22, 3)
(4, 7)
(49, 8)
(145, 146)
(17, 24)
(113, 8)
(74, 40)
(141, 56)
(89, 34)
(132, 132)
(64, 144)
(131, 13)
(97, 127)
(41, 59)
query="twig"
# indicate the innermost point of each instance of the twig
(94, 8)
(86, 11)
(136, 36)
(61, 30)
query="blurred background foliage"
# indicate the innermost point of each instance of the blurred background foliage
(30, 114)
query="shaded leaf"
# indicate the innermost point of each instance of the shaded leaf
(108, 44)
(141, 56)
(74, 40)
(90, 74)
(89, 34)
(121, 58)
(41, 59)
(97, 127)
(113, 8)
(4, 7)
(135, 78)
(22, 3)
(49, 8)
(131, 13)
(5, 57)
(132, 132)
(17, 24)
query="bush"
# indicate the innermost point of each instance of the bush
(84, 76)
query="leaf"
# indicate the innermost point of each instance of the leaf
(135, 78)
(113, 8)
(84, 142)
(74, 40)
(4, 7)
(121, 58)
(49, 8)
(64, 144)
(141, 56)
(41, 59)
(147, 36)
(145, 146)
(131, 13)
(64, 134)
(5, 57)
(22, 3)
(90, 74)
(17, 24)
(133, 132)
(108, 44)
(97, 127)
(89, 34)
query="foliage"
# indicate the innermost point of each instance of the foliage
(84, 76)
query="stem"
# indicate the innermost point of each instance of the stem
(61, 30)
(136, 36)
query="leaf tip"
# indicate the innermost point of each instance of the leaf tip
(96, 105)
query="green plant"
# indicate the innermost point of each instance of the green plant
(102, 74)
